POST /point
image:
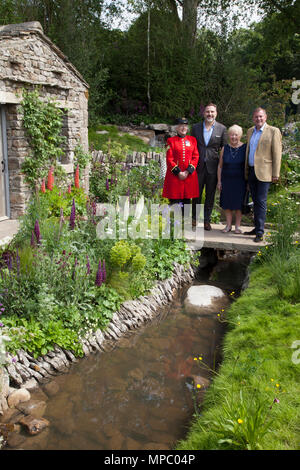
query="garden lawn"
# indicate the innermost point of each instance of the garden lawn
(254, 399)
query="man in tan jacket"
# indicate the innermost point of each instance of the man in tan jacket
(262, 167)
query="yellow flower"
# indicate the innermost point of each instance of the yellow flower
(195, 359)
(240, 421)
(198, 386)
(272, 380)
(200, 358)
(277, 385)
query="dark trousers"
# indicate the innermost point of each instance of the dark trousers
(259, 193)
(209, 181)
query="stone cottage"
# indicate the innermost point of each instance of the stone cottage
(28, 59)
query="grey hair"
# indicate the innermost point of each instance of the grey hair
(236, 128)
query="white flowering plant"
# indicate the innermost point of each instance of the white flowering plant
(3, 356)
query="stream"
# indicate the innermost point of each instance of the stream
(141, 395)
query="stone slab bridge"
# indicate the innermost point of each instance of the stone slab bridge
(225, 241)
(212, 239)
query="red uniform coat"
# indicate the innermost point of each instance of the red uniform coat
(182, 154)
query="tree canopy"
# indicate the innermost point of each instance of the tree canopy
(176, 54)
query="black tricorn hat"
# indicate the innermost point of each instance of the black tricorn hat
(182, 120)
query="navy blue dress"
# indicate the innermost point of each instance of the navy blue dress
(232, 178)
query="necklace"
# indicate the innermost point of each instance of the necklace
(233, 151)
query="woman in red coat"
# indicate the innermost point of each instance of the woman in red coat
(181, 180)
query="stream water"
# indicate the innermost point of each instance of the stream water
(140, 395)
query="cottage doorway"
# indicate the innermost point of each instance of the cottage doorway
(4, 206)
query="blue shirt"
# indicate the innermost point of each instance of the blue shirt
(256, 135)
(207, 133)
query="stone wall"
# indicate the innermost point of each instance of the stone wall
(28, 59)
(136, 159)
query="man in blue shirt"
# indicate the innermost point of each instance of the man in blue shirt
(257, 132)
(262, 167)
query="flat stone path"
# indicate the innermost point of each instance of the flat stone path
(224, 241)
(212, 239)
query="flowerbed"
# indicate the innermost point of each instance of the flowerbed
(59, 281)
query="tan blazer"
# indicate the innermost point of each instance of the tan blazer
(267, 158)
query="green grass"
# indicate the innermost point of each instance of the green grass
(257, 368)
(134, 143)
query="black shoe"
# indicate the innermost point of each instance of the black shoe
(207, 226)
(258, 238)
(252, 232)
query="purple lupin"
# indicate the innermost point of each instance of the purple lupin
(99, 276)
(74, 269)
(88, 265)
(37, 232)
(104, 271)
(32, 241)
(72, 216)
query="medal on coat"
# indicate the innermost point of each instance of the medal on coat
(187, 143)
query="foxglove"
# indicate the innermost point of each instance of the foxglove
(76, 180)
(43, 186)
(50, 181)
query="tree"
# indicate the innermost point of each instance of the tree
(288, 9)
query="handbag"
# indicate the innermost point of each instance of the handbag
(247, 206)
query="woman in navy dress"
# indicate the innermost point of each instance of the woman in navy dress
(231, 180)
